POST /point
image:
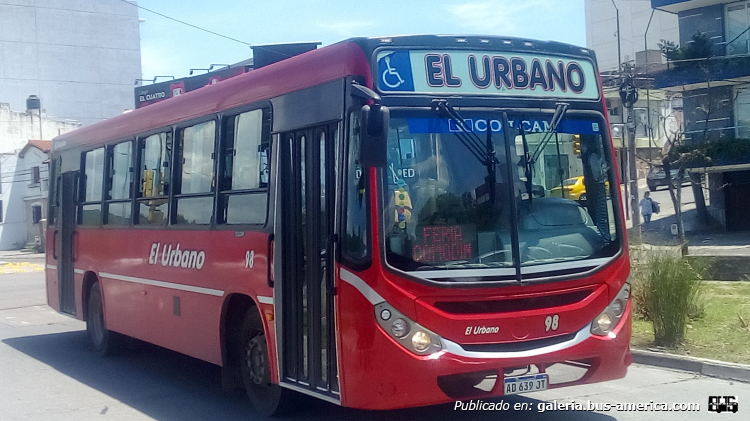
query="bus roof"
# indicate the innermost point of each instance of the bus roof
(346, 58)
(330, 63)
(483, 42)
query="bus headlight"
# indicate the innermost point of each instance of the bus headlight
(399, 327)
(421, 341)
(610, 317)
(604, 322)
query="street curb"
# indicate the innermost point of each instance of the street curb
(712, 368)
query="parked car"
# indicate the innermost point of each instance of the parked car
(657, 178)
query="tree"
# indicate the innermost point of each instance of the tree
(689, 55)
(683, 152)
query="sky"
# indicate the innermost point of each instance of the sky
(169, 48)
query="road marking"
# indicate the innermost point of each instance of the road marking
(20, 267)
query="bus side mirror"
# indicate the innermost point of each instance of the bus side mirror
(374, 136)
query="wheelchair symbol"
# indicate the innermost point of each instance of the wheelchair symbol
(390, 71)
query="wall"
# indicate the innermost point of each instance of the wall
(601, 29)
(707, 20)
(16, 128)
(13, 225)
(36, 193)
(720, 104)
(81, 57)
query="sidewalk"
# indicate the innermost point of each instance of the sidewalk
(702, 240)
(703, 366)
(730, 252)
(20, 256)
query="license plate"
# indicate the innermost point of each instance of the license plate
(524, 384)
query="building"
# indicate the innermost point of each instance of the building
(715, 87)
(24, 176)
(80, 57)
(634, 16)
(634, 48)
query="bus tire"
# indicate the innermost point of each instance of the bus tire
(105, 342)
(267, 398)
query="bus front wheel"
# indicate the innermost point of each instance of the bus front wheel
(105, 342)
(266, 397)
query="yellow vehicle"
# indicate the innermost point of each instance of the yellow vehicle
(575, 189)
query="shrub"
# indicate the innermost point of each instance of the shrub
(668, 292)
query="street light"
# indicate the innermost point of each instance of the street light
(619, 51)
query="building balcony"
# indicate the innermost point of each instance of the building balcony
(704, 73)
(676, 6)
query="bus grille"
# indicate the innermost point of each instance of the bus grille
(514, 304)
(518, 346)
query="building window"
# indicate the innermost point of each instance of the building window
(36, 214)
(742, 113)
(35, 177)
(737, 21)
(1, 211)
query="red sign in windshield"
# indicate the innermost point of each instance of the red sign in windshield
(440, 244)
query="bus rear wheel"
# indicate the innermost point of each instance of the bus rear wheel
(105, 341)
(267, 398)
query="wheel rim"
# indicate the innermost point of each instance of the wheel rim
(96, 316)
(255, 362)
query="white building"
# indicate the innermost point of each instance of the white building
(81, 57)
(24, 176)
(639, 35)
(601, 29)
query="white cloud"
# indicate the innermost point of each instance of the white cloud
(346, 28)
(498, 15)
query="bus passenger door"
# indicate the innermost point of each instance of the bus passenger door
(308, 338)
(64, 240)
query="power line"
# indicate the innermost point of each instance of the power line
(186, 23)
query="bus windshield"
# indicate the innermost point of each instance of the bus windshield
(457, 197)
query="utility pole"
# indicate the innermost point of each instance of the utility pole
(629, 96)
(619, 74)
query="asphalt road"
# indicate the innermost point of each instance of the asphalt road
(49, 372)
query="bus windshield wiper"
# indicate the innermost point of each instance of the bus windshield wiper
(560, 109)
(484, 154)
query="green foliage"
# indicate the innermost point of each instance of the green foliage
(720, 152)
(699, 47)
(668, 292)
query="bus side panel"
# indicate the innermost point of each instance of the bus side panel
(167, 287)
(50, 272)
(375, 374)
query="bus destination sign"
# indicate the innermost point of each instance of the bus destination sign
(487, 73)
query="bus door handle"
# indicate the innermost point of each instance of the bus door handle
(73, 246)
(54, 245)
(269, 265)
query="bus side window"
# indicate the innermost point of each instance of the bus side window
(92, 184)
(194, 200)
(355, 246)
(155, 165)
(244, 180)
(54, 181)
(120, 184)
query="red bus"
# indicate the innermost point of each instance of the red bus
(380, 223)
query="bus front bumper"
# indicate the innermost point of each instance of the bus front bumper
(392, 377)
